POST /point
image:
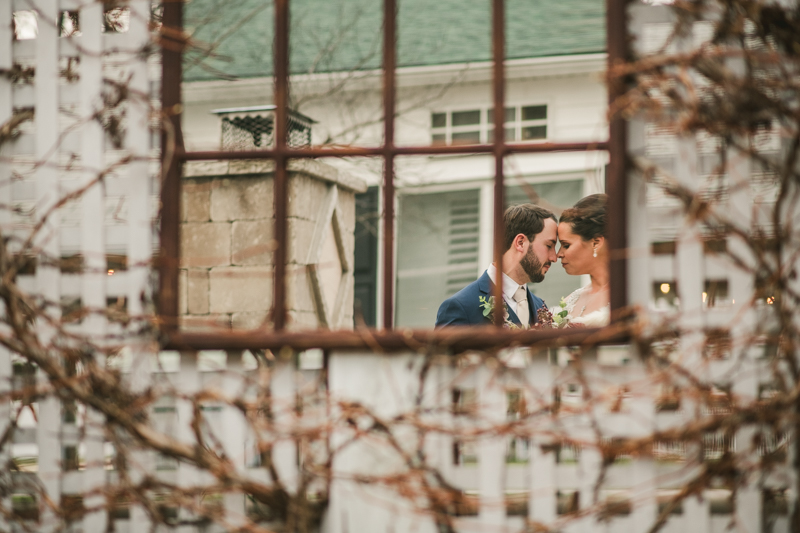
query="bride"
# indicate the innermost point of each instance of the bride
(581, 234)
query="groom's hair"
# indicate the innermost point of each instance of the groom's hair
(527, 219)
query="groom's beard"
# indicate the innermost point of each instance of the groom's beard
(532, 266)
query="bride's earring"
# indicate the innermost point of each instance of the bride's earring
(594, 251)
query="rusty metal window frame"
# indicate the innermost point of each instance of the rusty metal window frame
(456, 338)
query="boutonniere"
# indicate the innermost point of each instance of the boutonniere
(487, 304)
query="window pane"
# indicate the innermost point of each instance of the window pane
(534, 132)
(552, 195)
(437, 252)
(466, 118)
(438, 138)
(438, 120)
(467, 137)
(365, 261)
(510, 112)
(534, 112)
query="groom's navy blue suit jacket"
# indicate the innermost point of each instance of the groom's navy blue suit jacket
(464, 307)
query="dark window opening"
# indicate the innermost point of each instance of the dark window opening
(366, 258)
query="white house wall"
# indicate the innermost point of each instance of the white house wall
(572, 89)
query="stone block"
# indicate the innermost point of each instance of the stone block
(299, 320)
(347, 218)
(250, 320)
(251, 166)
(325, 172)
(197, 291)
(252, 242)
(349, 241)
(329, 268)
(205, 244)
(299, 296)
(347, 208)
(307, 196)
(300, 234)
(347, 321)
(205, 168)
(196, 201)
(241, 198)
(240, 289)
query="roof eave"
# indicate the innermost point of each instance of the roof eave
(471, 72)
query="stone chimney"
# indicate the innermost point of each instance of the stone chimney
(227, 223)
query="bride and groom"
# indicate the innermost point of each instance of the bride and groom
(532, 235)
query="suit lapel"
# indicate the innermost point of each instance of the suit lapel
(486, 286)
(512, 316)
(531, 308)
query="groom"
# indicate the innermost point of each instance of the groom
(530, 243)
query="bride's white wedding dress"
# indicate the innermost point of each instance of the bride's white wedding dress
(595, 319)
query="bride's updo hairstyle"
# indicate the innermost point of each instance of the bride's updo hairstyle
(587, 218)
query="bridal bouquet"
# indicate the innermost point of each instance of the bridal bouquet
(557, 318)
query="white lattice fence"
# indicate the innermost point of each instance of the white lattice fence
(462, 408)
(76, 187)
(536, 464)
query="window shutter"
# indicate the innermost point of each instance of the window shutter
(462, 242)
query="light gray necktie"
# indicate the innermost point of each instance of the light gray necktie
(521, 297)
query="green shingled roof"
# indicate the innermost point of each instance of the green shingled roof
(342, 35)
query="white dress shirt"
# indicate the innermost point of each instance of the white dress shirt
(509, 288)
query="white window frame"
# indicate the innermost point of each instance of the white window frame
(484, 127)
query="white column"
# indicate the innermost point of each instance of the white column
(5, 420)
(142, 461)
(387, 385)
(589, 464)
(187, 384)
(283, 410)
(436, 399)
(696, 517)
(741, 289)
(6, 109)
(542, 466)
(639, 274)
(642, 421)
(233, 437)
(542, 500)
(492, 406)
(689, 252)
(140, 243)
(93, 292)
(486, 236)
(46, 121)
